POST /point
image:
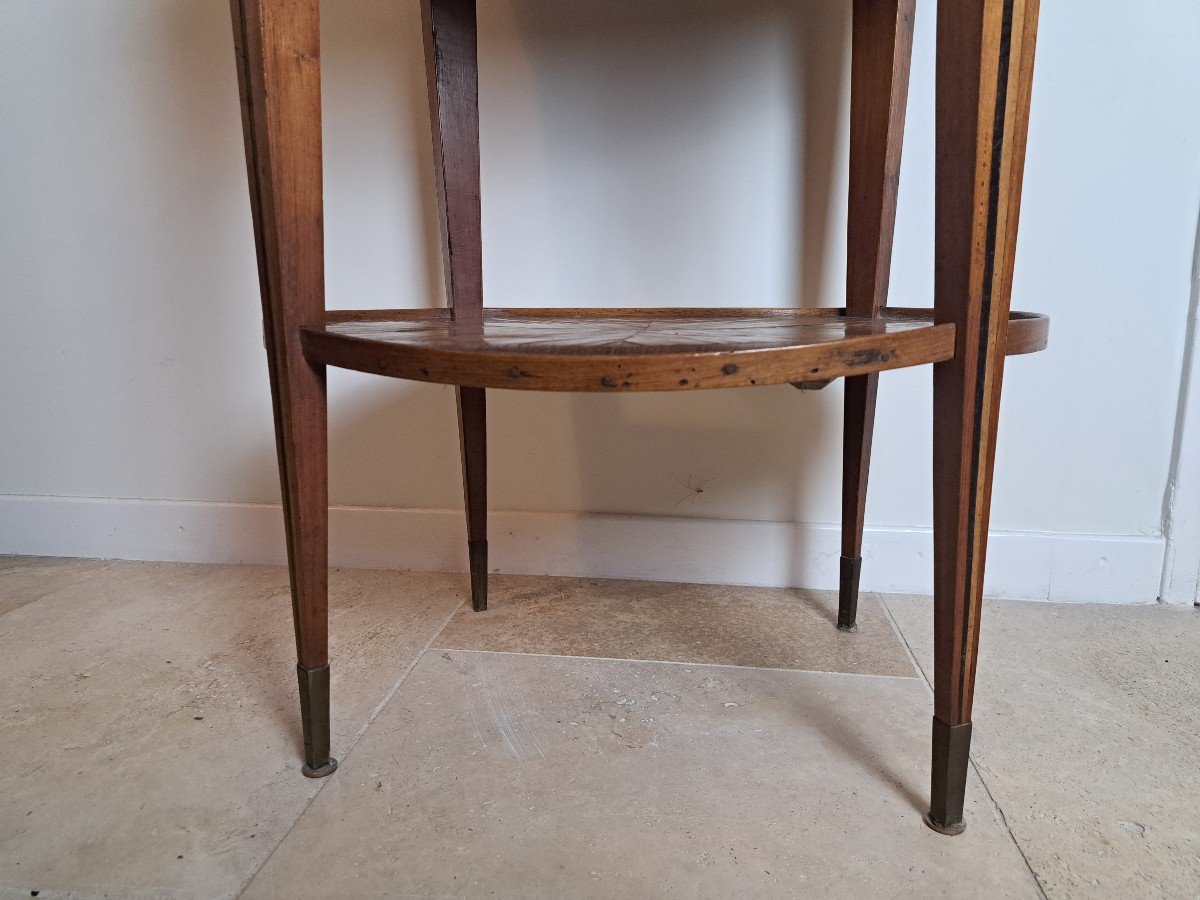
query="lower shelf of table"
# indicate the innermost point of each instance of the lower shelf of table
(613, 350)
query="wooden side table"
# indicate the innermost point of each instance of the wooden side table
(985, 52)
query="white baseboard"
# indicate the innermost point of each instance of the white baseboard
(1021, 565)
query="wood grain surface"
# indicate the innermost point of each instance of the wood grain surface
(635, 349)
(277, 45)
(985, 52)
(881, 55)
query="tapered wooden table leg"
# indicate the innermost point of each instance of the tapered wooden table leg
(277, 43)
(880, 61)
(452, 76)
(856, 463)
(984, 69)
(472, 429)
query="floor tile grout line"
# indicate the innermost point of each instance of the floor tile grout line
(676, 662)
(395, 687)
(904, 643)
(379, 707)
(996, 809)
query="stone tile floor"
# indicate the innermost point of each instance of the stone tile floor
(582, 738)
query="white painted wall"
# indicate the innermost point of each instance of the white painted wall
(1181, 506)
(682, 153)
